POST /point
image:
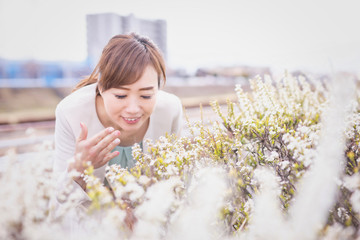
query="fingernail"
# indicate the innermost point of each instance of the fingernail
(110, 129)
(117, 140)
(116, 133)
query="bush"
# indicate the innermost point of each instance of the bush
(246, 176)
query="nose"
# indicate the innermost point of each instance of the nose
(132, 106)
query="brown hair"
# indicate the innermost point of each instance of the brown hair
(123, 61)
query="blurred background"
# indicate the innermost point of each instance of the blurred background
(47, 46)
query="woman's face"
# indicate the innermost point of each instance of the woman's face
(130, 106)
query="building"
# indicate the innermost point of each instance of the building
(101, 27)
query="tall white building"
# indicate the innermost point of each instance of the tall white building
(101, 27)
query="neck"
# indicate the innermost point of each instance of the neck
(101, 113)
(130, 138)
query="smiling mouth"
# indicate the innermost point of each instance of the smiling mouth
(131, 120)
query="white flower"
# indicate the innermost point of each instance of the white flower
(355, 201)
(284, 164)
(352, 182)
(144, 180)
(135, 190)
(272, 156)
(171, 170)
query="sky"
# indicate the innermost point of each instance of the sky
(308, 35)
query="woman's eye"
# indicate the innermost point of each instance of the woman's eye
(146, 97)
(120, 96)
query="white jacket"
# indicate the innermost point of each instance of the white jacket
(79, 106)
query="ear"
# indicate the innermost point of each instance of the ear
(160, 83)
(99, 89)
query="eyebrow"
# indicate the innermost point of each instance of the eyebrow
(141, 89)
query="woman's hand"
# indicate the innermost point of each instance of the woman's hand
(96, 150)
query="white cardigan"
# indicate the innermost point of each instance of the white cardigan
(79, 106)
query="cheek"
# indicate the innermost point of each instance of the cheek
(112, 107)
(150, 106)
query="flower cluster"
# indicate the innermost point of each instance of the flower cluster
(278, 124)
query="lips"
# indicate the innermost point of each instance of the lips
(132, 120)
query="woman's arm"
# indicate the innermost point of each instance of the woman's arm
(64, 141)
(64, 153)
(81, 150)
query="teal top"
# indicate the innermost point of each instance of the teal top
(125, 158)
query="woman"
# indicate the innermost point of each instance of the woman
(119, 105)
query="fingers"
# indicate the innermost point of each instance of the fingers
(106, 159)
(110, 156)
(83, 132)
(109, 147)
(109, 139)
(97, 149)
(100, 136)
(102, 150)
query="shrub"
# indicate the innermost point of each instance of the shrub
(243, 176)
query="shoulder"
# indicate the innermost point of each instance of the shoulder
(166, 117)
(78, 107)
(80, 99)
(168, 102)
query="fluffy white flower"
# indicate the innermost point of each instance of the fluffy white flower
(355, 200)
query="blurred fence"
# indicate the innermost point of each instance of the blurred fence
(38, 82)
(71, 82)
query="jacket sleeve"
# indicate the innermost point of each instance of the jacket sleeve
(177, 124)
(64, 141)
(64, 153)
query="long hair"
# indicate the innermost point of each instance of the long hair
(123, 61)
